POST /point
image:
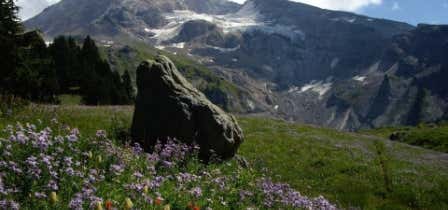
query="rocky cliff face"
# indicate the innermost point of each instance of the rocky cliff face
(403, 88)
(298, 62)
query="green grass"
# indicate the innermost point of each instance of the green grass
(349, 169)
(70, 99)
(429, 136)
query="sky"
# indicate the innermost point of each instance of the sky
(410, 11)
(30, 8)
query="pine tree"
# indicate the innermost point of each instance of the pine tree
(65, 53)
(36, 76)
(90, 52)
(9, 28)
(118, 91)
(129, 89)
(99, 86)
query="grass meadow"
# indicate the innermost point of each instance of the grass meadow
(276, 162)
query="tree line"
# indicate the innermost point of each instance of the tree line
(34, 71)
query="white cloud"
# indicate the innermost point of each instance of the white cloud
(346, 5)
(396, 6)
(30, 8)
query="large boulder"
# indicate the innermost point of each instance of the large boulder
(168, 106)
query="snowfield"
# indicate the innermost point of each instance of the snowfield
(319, 87)
(246, 19)
(359, 78)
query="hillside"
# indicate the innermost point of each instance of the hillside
(430, 136)
(351, 170)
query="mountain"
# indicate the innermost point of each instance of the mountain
(294, 61)
(117, 17)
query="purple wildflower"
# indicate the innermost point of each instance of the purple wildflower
(167, 164)
(117, 169)
(94, 200)
(53, 185)
(13, 166)
(138, 174)
(77, 202)
(244, 194)
(40, 195)
(196, 192)
(70, 171)
(68, 161)
(21, 138)
(136, 187)
(101, 134)
(220, 181)
(156, 182)
(72, 138)
(9, 204)
(75, 132)
(184, 178)
(137, 149)
(283, 193)
(148, 199)
(31, 161)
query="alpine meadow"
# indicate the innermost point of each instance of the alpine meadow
(218, 104)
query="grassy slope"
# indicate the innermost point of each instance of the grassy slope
(432, 136)
(202, 77)
(354, 170)
(349, 169)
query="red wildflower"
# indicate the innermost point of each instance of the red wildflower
(108, 205)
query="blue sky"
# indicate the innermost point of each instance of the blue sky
(410, 11)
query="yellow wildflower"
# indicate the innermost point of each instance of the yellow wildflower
(99, 205)
(167, 207)
(90, 154)
(54, 197)
(128, 204)
(99, 159)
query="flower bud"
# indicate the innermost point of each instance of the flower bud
(128, 204)
(99, 205)
(108, 205)
(90, 154)
(54, 197)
